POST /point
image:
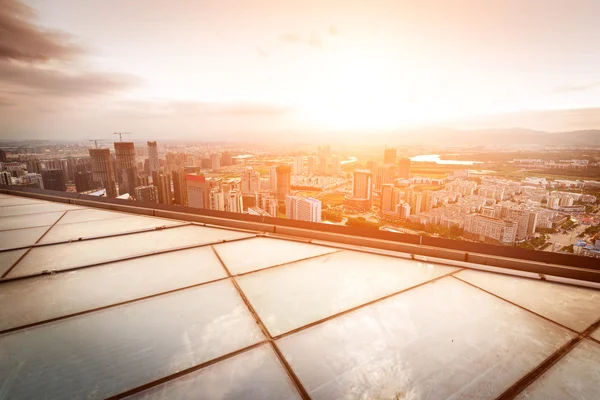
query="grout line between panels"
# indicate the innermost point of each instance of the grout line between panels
(30, 247)
(518, 305)
(185, 371)
(85, 239)
(133, 257)
(91, 310)
(286, 366)
(288, 263)
(350, 310)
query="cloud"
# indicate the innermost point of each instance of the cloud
(315, 39)
(61, 83)
(576, 88)
(291, 37)
(333, 30)
(21, 40)
(200, 108)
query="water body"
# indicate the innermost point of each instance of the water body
(436, 159)
(350, 160)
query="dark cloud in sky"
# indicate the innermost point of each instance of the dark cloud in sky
(290, 37)
(60, 83)
(21, 40)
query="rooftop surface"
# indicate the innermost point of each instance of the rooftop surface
(99, 304)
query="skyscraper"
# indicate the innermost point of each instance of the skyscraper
(216, 199)
(84, 181)
(103, 170)
(215, 162)
(126, 167)
(389, 199)
(226, 159)
(179, 189)
(153, 161)
(284, 181)
(404, 168)
(383, 175)
(415, 202)
(298, 165)
(3, 157)
(234, 201)
(146, 193)
(362, 186)
(163, 186)
(197, 191)
(5, 178)
(250, 181)
(389, 156)
(311, 165)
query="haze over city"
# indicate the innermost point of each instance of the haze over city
(225, 70)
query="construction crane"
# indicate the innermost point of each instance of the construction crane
(96, 141)
(121, 135)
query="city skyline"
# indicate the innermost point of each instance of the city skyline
(198, 70)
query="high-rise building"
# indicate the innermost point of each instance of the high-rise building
(298, 165)
(250, 181)
(553, 202)
(234, 201)
(383, 175)
(404, 168)
(179, 188)
(216, 199)
(3, 157)
(126, 167)
(404, 210)
(389, 156)
(5, 178)
(565, 201)
(323, 165)
(273, 179)
(362, 187)
(415, 202)
(84, 181)
(163, 186)
(103, 170)
(525, 219)
(269, 204)
(303, 209)
(215, 162)
(389, 199)
(226, 159)
(153, 160)
(311, 164)
(197, 191)
(146, 193)
(284, 181)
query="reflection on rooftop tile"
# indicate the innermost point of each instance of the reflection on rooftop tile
(110, 351)
(8, 258)
(44, 207)
(255, 374)
(576, 376)
(29, 220)
(571, 306)
(114, 226)
(444, 340)
(18, 201)
(20, 237)
(297, 294)
(89, 214)
(251, 255)
(87, 252)
(45, 297)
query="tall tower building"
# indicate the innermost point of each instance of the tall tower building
(234, 201)
(226, 159)
(215, 162)
(389, 199)
(363, 186)
(389, 156)
(103, 170)
(216, 199)
(383, 175)
(197, 191)
(250, 181)
(126, 167)
(163, 186)
(5, 178)
(303, 209)
(415, 202)
(54, 179)
(179, 189)
(404, 168)
(153, 161)
(284, 181)
(298, 165)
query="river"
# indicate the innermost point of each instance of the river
(435, 158)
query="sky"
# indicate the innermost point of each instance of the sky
(221, 69)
